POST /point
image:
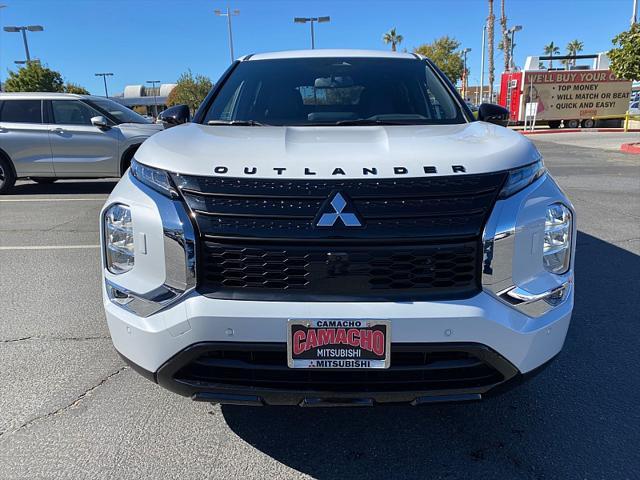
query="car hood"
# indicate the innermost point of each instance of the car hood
(335, 152)
(139, 129)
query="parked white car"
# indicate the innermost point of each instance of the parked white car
(634, 108)
(48, 136)
(335, 228)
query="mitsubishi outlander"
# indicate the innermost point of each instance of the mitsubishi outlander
(334, 227)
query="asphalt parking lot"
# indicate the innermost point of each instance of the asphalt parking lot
(69, 408)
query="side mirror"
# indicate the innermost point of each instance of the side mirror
(176, 115)
(488, 112)
(99, 121)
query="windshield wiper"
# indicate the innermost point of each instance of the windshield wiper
(240, 123)
(370, 121)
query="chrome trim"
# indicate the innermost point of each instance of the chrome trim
(179, 259)
(498, 249)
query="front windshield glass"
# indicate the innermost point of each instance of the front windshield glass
(121, 113)
(334, 91)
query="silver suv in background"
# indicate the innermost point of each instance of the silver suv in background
(48, 136)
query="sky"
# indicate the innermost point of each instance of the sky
(140, 40)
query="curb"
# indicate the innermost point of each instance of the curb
(630, 148)
(579, 130)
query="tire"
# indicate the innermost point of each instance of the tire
(571, 124)
(588, 123)
(44, 180)
(554, 124)
(7, 177)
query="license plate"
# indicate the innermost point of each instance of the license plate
(338, 344)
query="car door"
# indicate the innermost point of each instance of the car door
(24, 137)
(79, 148)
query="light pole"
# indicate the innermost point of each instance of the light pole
(512, 31)
(634, 14)
(464, 73)
(1, 7)
(31, 28)
(484, 31)
(229, 14)
(155, 97)
(104, 78)
(311, 20)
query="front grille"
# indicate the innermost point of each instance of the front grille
(419, 237)
(413, 368)
(329, 273)
(427, 208)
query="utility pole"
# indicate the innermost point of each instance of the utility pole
(104, 77)
(634, 15)
(229, 14)
(23, 30)
(1, 7)
(312, 20)
(484, 31)
(155, 96)
(464, 73)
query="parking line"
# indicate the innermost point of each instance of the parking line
(49, 247)
(52, 199)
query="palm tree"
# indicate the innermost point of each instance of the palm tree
(573, 48)
(505, 43)
(393, 38)
(491, 19)
(551, 50)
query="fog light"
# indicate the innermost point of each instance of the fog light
(557, 239)
(118, 233)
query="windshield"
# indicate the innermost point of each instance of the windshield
(120, 113)
(333, 91)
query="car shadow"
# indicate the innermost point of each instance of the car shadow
(64, 187)
(577, 419)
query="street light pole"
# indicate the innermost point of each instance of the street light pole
(155, 97)
(23, 30)
(1, 7)
(634, 15)
(312, 20)
(104, 78)
(484, 31)
(229, 14)
(512, 31)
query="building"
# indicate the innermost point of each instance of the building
(151, 100)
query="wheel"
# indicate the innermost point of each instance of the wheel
(554, 124)
(7, 177)
(571, 123)
(588, 123)
(44, 180)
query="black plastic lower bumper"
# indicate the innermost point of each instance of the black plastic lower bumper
(256, 374)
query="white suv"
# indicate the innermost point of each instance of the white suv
(335, 228)
(48, 136)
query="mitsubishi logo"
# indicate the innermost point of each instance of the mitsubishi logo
(334, 210)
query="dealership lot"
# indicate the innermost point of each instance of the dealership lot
(69, 408)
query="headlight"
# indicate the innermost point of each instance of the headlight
(522, 177)
(557, 239)
(153, 177)
(118, 241)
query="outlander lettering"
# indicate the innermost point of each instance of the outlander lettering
(334, 227)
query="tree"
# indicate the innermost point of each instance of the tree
(443, 52)
(75, 88)
(190, 90)
(551, 50)
(393, 38)
(573, 48)
(33, 77)
(505, 44)
(625, 56)
(491, 20)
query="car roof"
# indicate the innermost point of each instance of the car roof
(324, 53)
(44, 96)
